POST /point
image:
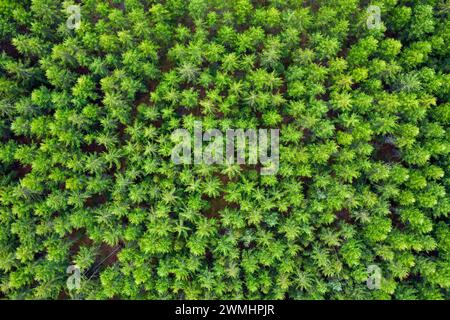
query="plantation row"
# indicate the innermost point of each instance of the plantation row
(88, 104)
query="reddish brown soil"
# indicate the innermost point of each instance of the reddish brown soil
(20, 170)
(79, 238)
(93, 147)
(387, 152)
(95, 201)
(344, 215)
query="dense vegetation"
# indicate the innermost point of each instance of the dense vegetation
(87, 180)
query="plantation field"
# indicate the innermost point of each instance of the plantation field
(225, 149)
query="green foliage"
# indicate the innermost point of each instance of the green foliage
(86, 175)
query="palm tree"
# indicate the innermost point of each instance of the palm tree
(188, 71)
